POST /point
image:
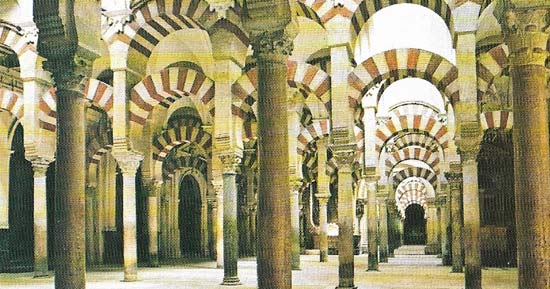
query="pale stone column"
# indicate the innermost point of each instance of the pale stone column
(525, 32)
(129, 163)
(431, 228)
(295, 222)
(344, 155)
(372, 223)
(362, 205)
(323, 227)
(383, 229)
(40, 167)
(218, 187)
(152, 222)
(455, 184)
(393, 227)
(230, 162)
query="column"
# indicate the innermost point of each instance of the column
(295, 221)
(129, 163)
(383, 229)
(91, 192)
(253, 228)
(372, 224)
(472, 223)
(344, 155)
(455, 184)
(323, 227)
(212, 212)
(431, 228)
(271, 49)
(152, 222)
(526, 35)
(230, 233)
(362, 204)
(393, 234)
(247, 241)
(40, 167)
(219, 224)
(444, 229)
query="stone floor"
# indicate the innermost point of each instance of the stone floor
(314, 275)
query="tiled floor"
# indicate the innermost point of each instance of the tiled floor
(314, 275)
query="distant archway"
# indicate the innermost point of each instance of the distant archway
(414, 229)
(189, 217)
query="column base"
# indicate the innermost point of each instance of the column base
(130, 278)
(340, 287)
(373, 270)
(231, 281)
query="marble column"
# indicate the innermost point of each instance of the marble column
(40, 227)
(271, 49)
(245, 238)
(212, 211)
(91, 208)
(383, 229)
(444, 228)
(431, 229)
(253, 238)
(70, 239)
(323, 227)
(230, 162)
(152, 222)
(295, 221)
(372, 224)
(344, 155)
(526, 34)
(455, 185)
(218, 187)
(129, 163)
(362, 205)
(472, 222)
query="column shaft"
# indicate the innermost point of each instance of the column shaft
(531, 167)
(70, 257)
(295, 220)
(444, 224)
(383, 230)
(323, 229)
(472, 237)
(346, 214)
(40, 221)
(230, 232)
(152, 228)
(372, 226)
(456, 220)
(432, 230)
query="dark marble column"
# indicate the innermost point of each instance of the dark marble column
(455, 184)
(526, 34)
(383, 229)
(271, 49)
(230, 162)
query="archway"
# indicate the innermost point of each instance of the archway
(189, 217)
(20, 240)
(414, 229)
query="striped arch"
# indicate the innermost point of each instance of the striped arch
(404, 174)
(302, 76)
(306, 11)
(497, 119)
(173, 164)
(490, 65)
(173, 137)
(367, 8)
(409, 193)
(156, 19)
(402, 63)
(12, 102)
(413, 153)
(412, 123)
(326, 10)
(417, 139)
(11, 36)
(318, 129)
(99, 94)
(165, 88)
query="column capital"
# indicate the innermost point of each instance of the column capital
(230, 161)
(117, 20)
(40, 166)
(273, 45)
(128, 161)
(344, 156)
(455, 179)
(469, 140)
(524, 25)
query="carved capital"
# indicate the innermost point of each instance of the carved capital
(128, 161)
(469, 140)
(272, 43)
(526, 34)
(40, 166)
(344, 159)
(455, 180)
(117, 20)
(230, 162)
